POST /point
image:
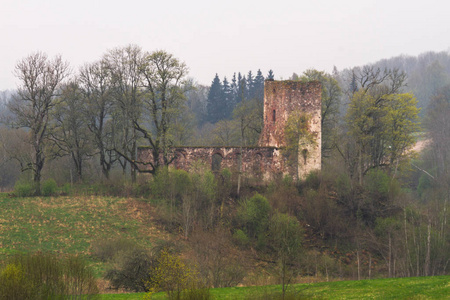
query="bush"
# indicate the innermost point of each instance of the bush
(312, 180)
(377, 184)
(13, 283)
(240, 238)
(79, 279)
(171, 275)
(23, 189)
(253, 214)
(130, 270)
(66, 189)
(44, 276)
(49, 187)
(216, 258)
(224, 184)
(196, 294)
(170, 185)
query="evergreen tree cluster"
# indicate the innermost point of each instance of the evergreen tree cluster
(224, 95)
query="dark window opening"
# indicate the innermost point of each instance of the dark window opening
(216, 162)
(273, 116)
(305, 155)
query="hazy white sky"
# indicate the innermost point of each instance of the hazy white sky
(225, 36)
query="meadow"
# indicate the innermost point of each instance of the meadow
(72, 224)
(437, 287)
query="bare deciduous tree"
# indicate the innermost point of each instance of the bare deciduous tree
(125, 66)
(95, 84)
(40, 78)
(162, 80)
(69, 133)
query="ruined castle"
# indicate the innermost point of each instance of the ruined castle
(265, 161)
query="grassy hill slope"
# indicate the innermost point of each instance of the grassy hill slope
(70, 225)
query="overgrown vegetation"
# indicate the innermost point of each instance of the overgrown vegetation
(45, 276)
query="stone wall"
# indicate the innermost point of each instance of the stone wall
(257, 162)
(266, 161)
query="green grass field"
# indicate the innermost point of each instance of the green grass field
(437, 287)
(70, 225)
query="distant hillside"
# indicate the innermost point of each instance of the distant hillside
(427, 73)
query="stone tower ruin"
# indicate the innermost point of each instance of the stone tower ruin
(265, 162)
(281, 98)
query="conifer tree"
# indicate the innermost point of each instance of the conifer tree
(259, 86)
(239, 90)
(270, 76)
(242, 88)
(227, 98)
(234, 89)
(250, 86)
(215, 104)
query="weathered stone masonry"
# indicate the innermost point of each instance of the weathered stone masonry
(266, 161)
(256, 162)
(282, 98)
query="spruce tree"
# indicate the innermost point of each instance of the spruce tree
(353, 84)
(259, 86)
(250, 86)
(227, 98)
(234, 89)
(270, 76)
(242, 88)
(215, 104)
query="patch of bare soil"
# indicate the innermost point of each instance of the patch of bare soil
(420, 145)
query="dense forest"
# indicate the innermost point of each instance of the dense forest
(377, 208)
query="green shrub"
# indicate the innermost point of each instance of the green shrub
(66, 189)
(224, 183)
(14, 284)
(312, 180)
(49, 187)
(253, 214)
(170, 185)
(44, 276)
(240, 238)
(130, 270)
(196, 294)
(129, 263)
(79, 279)
(171, 275)
(142, 190)
(23, 189)
(377, 184)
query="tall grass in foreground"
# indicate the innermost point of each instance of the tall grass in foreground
(45, 276)
(437, 287)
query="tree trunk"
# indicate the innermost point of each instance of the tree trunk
(427, 257)
(408, 255)
(37, 168)
(133, 157)
(359, 266)
(389, 256)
